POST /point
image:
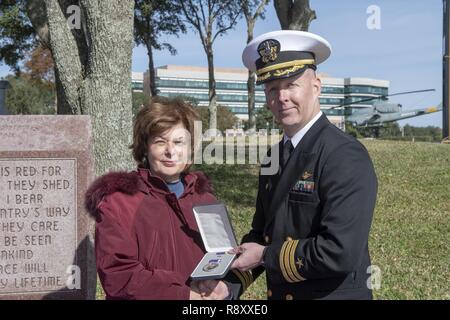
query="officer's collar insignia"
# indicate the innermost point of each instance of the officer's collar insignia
(268, 50)
(306, 175)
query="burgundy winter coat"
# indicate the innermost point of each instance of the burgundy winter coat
(147, 241)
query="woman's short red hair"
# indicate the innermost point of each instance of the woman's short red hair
(158, 116)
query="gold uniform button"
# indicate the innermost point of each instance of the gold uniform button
(269, 293)
(267, 239)
(289, 239)
(289, 297)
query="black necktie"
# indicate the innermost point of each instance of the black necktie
(287, 150)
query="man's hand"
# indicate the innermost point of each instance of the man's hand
(210, 289)
(250, 256)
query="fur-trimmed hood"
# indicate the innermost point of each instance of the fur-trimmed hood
(133, 182)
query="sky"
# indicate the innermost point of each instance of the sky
(406, 50)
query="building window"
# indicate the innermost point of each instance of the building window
(203, 84)
(366, 89)
(332, 101)
(336, 90)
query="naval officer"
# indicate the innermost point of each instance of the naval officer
(312, 220)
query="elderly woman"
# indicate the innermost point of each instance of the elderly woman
(147, 241)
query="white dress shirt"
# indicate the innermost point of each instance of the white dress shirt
(301, 133)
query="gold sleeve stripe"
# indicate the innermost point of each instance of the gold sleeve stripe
(284, 262)
(250, 276)
(292, 261)
(282, 254)
(287, 261)
(246, 278)
(287, 257)
(241, 279)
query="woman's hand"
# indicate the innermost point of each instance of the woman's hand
(194, 294)
(209, 290)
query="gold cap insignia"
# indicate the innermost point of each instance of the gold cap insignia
(268, 50)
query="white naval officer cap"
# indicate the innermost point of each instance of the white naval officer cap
(284, 53)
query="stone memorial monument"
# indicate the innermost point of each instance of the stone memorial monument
(46, 237)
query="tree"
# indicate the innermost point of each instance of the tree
(39, 66)
(252, 9)
(294, 14)
(32, 89)
(39, 71)
(91, 48)
(352, 130)
(139, 100)
(429, 133)
(211, 19)
(153, 18)
(17, 36)
(191, 100)
(226, 118)
(265, 119)
(390, 129)
(26, 97)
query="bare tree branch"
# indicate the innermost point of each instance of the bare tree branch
(153, 18)
(197, 24)
(247, 7)
(231, 23)
(203, 13)
(222, 17)
(223, 30)
(260, 9)
(219, 10)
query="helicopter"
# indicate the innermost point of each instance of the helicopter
(384, 112)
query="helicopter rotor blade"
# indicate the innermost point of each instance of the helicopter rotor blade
(410, 92)
(382, 97)
(355, 102)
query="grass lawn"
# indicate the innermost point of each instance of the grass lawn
(410, 236)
